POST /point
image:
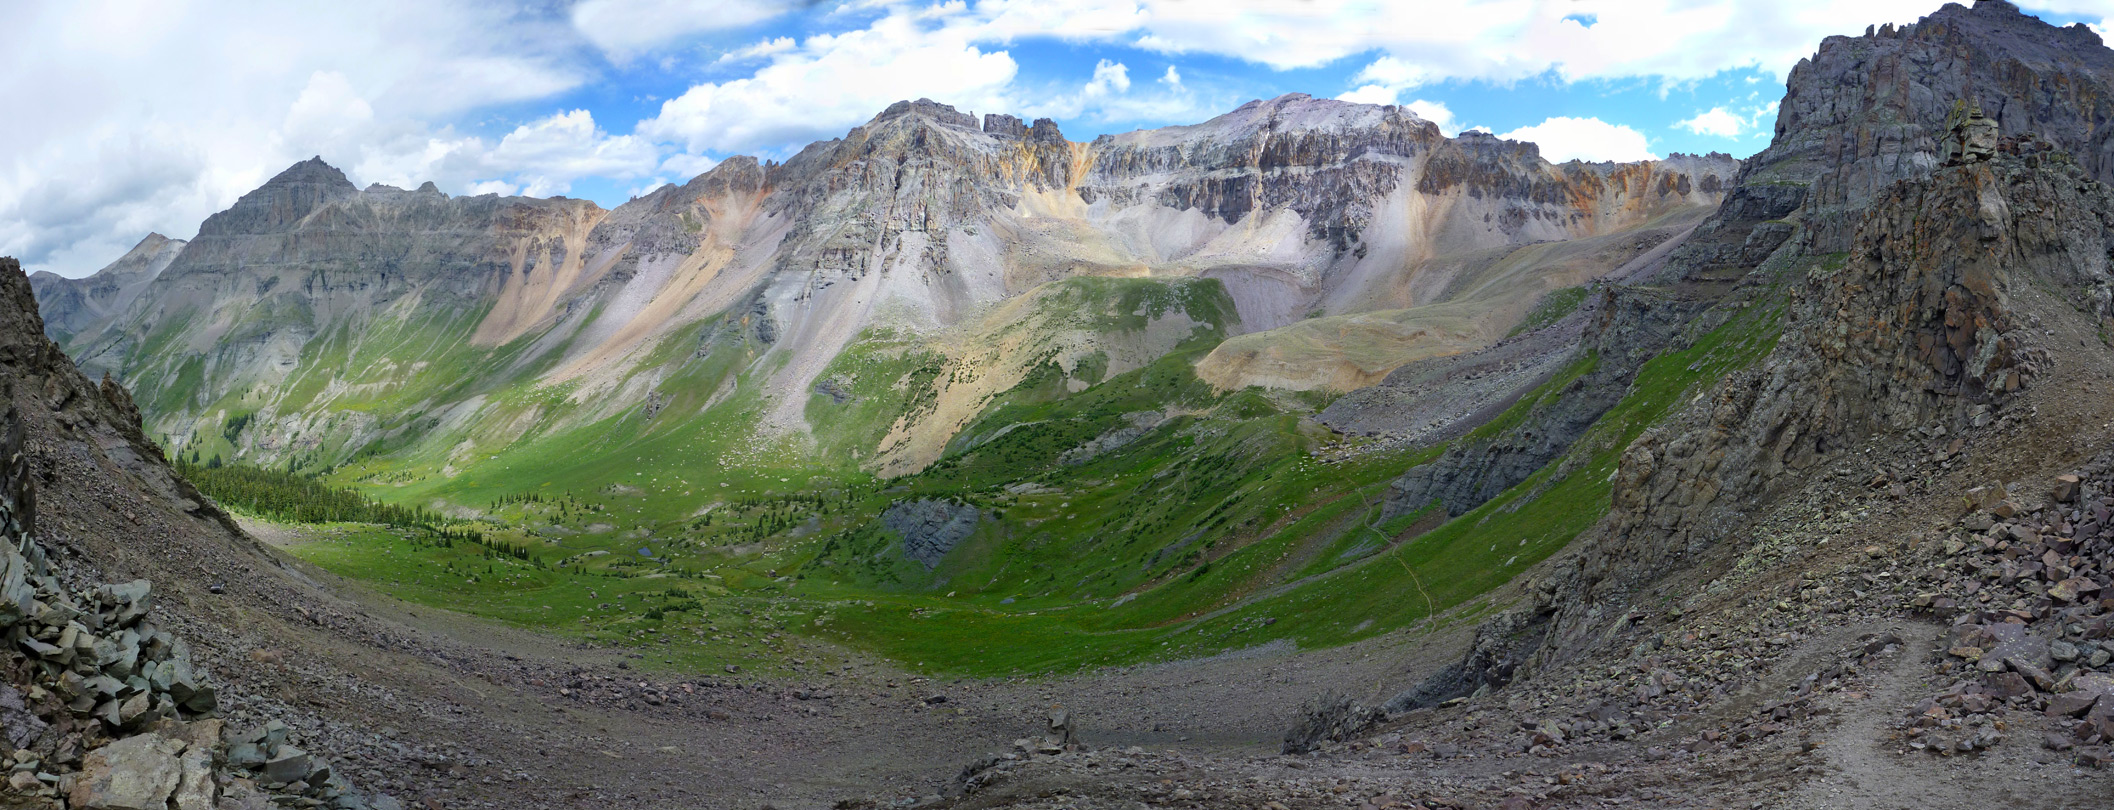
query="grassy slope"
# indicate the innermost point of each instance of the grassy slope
(1217, 529)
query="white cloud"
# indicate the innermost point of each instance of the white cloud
(1437, 114)
(1506, 40)
(1371, 94)
(1392, 72)
(760, 50)
(1588, 139)
(1109, 78)
(1716, 121)
(1384, 80)
(551, 153)
(1107, 97)
(499, 187)
(1433, 111)
(686, 166)
(138, 115)
(624, 28)
(832, 82)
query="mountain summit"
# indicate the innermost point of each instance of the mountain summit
(920, 222)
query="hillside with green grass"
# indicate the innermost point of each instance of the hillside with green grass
(1145, 517)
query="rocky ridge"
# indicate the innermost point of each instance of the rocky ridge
(924, 219)
(1864, 112)
(81, 304)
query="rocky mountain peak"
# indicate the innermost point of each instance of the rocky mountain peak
(312, 171)
(1865, 112)
(927, 109)
(282, 201)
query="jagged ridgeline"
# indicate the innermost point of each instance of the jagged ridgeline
(854, 307)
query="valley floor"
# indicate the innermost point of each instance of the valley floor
(571, 724)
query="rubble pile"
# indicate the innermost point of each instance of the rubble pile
(103, 710)
(2030, 590)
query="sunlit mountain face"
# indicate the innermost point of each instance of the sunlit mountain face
(1058, 405)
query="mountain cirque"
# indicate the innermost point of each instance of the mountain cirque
(1807, 467)
(921, 221)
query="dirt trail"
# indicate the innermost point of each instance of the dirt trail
(1868, 769)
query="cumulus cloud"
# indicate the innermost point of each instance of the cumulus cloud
(624, 28)
(1588, 139)
(1371, 94)
(1507, 40)
(1715, 121)
(147, 116)
(1433, 111)
(1109, 78)
(1436, 113)
(831, 82)
(686, 166)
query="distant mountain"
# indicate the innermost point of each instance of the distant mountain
(314, 321)
(73, 305)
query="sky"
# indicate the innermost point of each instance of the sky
(138, 116)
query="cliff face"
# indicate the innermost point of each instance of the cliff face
(1925, 186)
(1864, 112)
(1918, 332)
(313, 318)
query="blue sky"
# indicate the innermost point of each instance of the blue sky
(148, 116)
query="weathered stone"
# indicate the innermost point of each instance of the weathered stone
(288, 764)
(19, 727)
(2065, 490)
(2071, 704)
(930, 528)
(135, 710)
(126, 602)
(246, 755)
(135, 773)
(196, 789)
(2034, 674)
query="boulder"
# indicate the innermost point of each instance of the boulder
(135, 773)
(289, 764)
(2065, 489)
(126, 603)
(19, 726)
(195, 790)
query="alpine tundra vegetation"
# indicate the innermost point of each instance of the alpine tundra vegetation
(1319, 454)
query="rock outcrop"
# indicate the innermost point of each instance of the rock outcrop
(1864, 112)
(930, 527)
(1915, 331)
(103, 708)
(74, 305)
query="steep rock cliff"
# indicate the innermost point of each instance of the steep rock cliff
(1864, 112)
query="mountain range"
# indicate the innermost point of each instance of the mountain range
(1305, 457)
(1332, 242)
